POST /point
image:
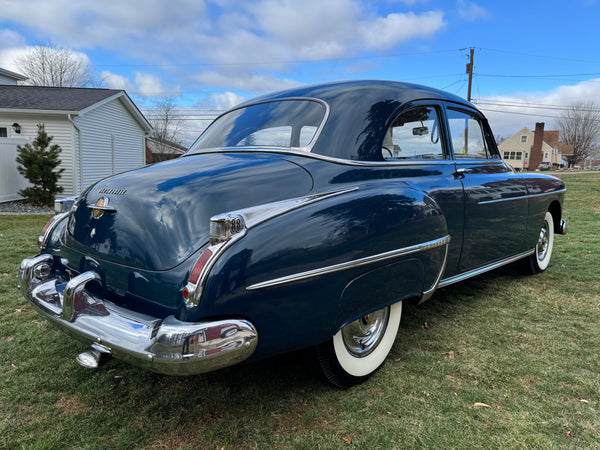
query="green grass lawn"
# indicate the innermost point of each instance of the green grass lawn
(499, 361)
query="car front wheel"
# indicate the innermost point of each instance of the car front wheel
(355, 352)
(543, 250)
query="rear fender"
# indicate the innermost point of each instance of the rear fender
(310, 270)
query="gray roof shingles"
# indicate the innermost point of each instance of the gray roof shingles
(51, 98)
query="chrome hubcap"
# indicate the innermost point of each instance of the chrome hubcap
(542, 245)
(362, 336)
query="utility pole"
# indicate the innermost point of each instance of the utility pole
(470, 72)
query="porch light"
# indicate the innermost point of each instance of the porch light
(16, 127)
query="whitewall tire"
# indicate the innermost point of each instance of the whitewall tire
(356, 351)
(540, 259)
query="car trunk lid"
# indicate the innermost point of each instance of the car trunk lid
(156, 217)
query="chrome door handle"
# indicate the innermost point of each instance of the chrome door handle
(460, 172)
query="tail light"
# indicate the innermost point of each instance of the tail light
(47, 230)
(224, 230)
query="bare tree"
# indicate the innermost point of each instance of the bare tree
(47, 65)
(580, 127)
(167, 128)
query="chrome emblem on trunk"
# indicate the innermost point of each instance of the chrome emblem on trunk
(101, 207)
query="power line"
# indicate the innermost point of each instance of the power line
(531, 105)
(531, 55)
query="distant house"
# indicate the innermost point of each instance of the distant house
(100, 131)
(517, 150)
(157, 150)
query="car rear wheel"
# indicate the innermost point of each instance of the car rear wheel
(543, 250)
(355, 352)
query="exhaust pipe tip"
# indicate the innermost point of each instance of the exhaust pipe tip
(94, 357)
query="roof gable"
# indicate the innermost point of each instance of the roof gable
(13, 75)
(65, 100)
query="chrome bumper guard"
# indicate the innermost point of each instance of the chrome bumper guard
(167, 346)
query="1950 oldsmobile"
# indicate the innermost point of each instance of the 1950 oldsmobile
(299, 218)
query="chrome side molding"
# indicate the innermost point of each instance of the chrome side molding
(352, 264)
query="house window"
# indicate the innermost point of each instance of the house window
(519, 155)
(526, 155)
(3, 132)
(506, 155)
(523, 139)
(545, 155)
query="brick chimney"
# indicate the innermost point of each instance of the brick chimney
(535, 156)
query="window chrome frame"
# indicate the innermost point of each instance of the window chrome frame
(302, 150)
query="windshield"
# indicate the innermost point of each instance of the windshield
(284, 123)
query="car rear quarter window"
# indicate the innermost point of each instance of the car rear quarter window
(284, 123)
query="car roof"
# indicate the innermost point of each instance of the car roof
(374, 90)
(359, 112)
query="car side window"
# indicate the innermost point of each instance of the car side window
(466, 133)
(415, 134)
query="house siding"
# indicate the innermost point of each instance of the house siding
(7, 80)
(111, 142)
(56, 126)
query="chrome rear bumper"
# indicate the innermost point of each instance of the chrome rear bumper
(167, 346)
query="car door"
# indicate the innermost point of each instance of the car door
(495, 197)
(415, 139)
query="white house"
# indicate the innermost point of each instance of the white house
(100, 131)
(8, 77)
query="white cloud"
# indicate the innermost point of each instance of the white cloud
(10, 38)
(9, 56)
(386, 32)
(243, 44)
(471, 11)
(144, 85)
(226, 100)
(245, 81)
(527, 109)
(114, 81)
(89, 22)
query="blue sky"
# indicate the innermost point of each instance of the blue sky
(531, 58)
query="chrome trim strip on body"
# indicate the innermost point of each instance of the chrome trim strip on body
(252, 217)
(351, 264)
(428, 293)
(483, 269)
(523, 197)
(167, 346)
(258, 214)
(331, 159)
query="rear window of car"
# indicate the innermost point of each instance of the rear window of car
(285, 123)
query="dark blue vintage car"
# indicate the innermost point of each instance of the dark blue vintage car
(300, 218)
